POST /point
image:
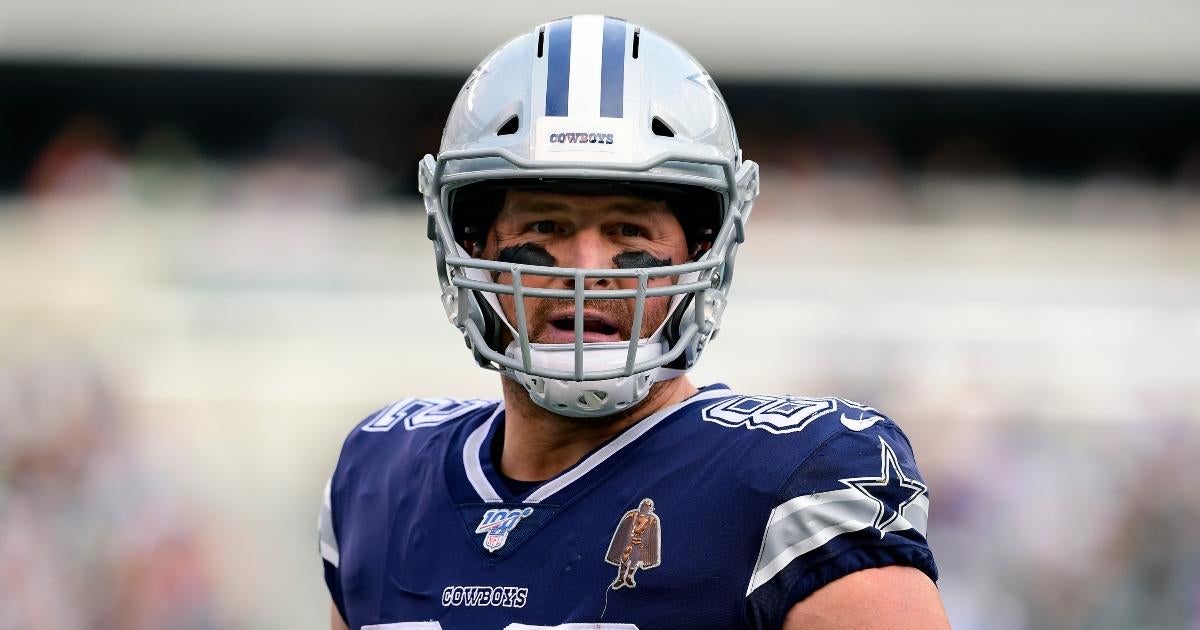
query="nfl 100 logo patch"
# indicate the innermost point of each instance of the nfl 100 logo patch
(497, 524)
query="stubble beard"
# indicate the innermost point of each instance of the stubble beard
(537, 310)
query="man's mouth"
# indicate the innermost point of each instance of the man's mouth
(597, 327)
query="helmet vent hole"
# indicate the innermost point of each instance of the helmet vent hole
(542, 41)
(637, 40)
(660, 128)
(592, 399)
(509, 127)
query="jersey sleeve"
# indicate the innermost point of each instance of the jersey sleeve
(857, 501)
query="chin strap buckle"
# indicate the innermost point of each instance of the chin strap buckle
(450, 303)
(714, 307)
(425, 172)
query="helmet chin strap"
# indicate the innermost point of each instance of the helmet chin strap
(590, 399)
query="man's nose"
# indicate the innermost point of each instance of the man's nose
(588, 249)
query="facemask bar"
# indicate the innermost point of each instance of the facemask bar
(710, 286)
(579, 294)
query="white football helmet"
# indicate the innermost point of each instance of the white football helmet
(588, 101)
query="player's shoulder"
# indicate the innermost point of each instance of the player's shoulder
(412, 424)
(788, 429)
(841, 492)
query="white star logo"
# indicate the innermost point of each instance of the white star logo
(891, 487)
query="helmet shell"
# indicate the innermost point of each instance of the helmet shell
(592, 89)
(589, 100)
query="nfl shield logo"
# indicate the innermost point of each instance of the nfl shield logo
(497, 524)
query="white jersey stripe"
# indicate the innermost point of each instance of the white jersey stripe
(330, 554)
(471, 460)
(805, 523)
(328, 541)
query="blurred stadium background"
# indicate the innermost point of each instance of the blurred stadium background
(983, 218)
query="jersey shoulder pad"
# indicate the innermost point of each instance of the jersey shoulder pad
(388, 430)
(854, 500)
(402, 429)
(400, 438)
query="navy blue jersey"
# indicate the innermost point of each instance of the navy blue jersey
(720, 512)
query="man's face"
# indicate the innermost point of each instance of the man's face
(589, 232)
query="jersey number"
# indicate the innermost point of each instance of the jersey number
(415, 413)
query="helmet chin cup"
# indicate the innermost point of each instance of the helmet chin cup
(588, 399)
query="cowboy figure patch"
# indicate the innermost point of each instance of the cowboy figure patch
(637, 544)
(497, 524)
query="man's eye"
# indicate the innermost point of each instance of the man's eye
(542, 227)
(631, 231)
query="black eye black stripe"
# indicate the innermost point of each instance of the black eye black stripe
(527, 254)
(635, 260)
(536, 254)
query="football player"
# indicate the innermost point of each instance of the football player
(585, 209)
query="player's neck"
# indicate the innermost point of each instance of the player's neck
(539, 444)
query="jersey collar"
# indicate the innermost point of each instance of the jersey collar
(485, 479)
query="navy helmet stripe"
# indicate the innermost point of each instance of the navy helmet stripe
(612, 69)
(558, 67)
